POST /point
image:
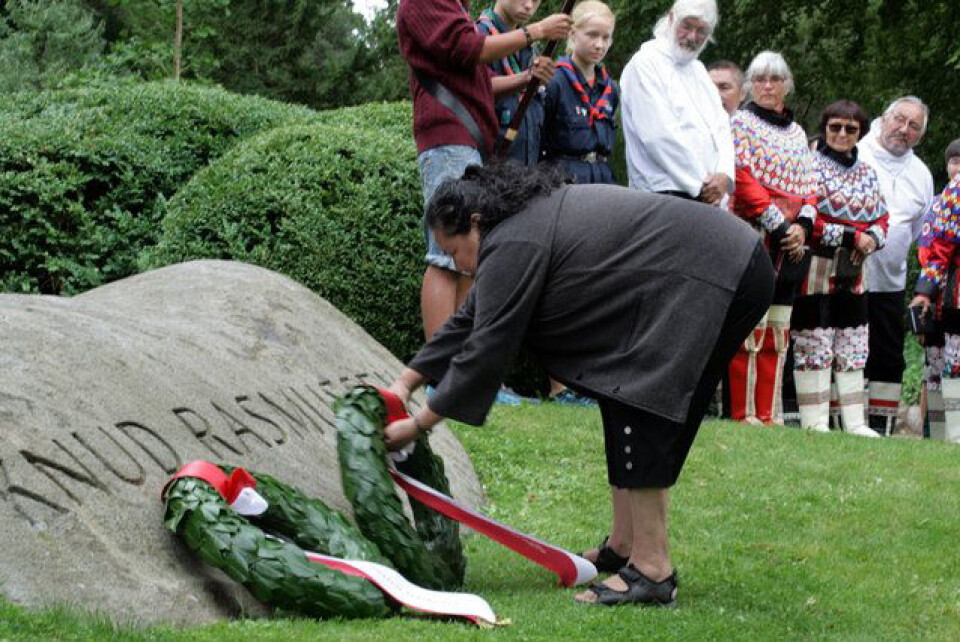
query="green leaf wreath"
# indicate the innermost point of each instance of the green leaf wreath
(277, 572)
(430, 556)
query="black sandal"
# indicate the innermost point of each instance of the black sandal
(640, 590)
(608, 561)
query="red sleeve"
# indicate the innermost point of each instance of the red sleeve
(883, 223)
(819, 226)
(934, 263)
(751, 199)
(442, 30)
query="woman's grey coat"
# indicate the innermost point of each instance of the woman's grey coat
(618, 293)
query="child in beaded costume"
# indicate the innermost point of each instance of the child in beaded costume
(937, 282)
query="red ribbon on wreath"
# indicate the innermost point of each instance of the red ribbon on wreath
(229, 486)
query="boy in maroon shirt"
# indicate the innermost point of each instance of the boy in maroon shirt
(438, 39)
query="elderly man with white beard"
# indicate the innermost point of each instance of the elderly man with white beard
(907, 187)
(677, 132)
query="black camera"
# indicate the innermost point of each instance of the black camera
(921, 319)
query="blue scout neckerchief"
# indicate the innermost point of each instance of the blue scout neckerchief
(600, 109)
(495, 26)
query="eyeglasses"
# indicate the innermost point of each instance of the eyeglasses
(688, 27)
(902, 120)
(850, 128)
(762, 80)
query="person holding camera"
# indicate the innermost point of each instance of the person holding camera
(830, 314)
(938, 284)
(929, 331)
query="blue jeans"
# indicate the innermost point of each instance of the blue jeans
(437, 165)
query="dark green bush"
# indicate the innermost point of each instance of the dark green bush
(82, 170)
(335, 206)
(91, 179)
(394, 118)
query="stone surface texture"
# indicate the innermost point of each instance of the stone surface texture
(103, 396)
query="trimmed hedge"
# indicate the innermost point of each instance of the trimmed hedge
(335, 206)
(395, 119)
(99, 183)
(82, 171)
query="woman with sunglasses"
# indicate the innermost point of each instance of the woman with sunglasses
(829, 323)
(775, 192)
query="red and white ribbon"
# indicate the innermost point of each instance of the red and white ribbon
(570, 569)
(463, 605)
(237, 489)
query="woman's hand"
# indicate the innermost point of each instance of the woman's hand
(404, 385)
(400, 389)
(921, 300)
(713, 189)
(793, 241)
(400, 433)
(866, 244)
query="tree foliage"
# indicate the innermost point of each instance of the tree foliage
(870, 51)
(320, 54)
(42, 41)
(325, 55)
(84, 173)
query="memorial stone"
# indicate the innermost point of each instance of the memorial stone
(104, 395)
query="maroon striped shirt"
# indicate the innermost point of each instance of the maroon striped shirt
(438, 38)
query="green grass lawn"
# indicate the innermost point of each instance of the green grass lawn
(777, 534)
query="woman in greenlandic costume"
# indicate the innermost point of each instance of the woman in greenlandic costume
(830, 314)
(622, 296)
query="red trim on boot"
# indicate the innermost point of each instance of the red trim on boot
(737, 374)
(766, 390)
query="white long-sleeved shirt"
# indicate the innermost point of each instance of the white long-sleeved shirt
(907, 187)
(674, 125)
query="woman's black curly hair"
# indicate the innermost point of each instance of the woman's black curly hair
(496, 192)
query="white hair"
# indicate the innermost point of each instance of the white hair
(913, 100)
(769, 63)
(706, 10)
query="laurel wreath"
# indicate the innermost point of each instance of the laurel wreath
(431, 555)
(266, 553)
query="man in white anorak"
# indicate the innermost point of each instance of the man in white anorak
(907, 187)
(676, 130)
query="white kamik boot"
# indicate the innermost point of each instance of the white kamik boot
(951, 409)
(813, 399)
(850, 391)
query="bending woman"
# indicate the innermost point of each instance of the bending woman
(622, 297)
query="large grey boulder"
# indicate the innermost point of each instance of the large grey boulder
(104, 395)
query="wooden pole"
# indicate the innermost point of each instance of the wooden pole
(514, 128)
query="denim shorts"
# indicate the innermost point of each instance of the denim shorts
(437, 165)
